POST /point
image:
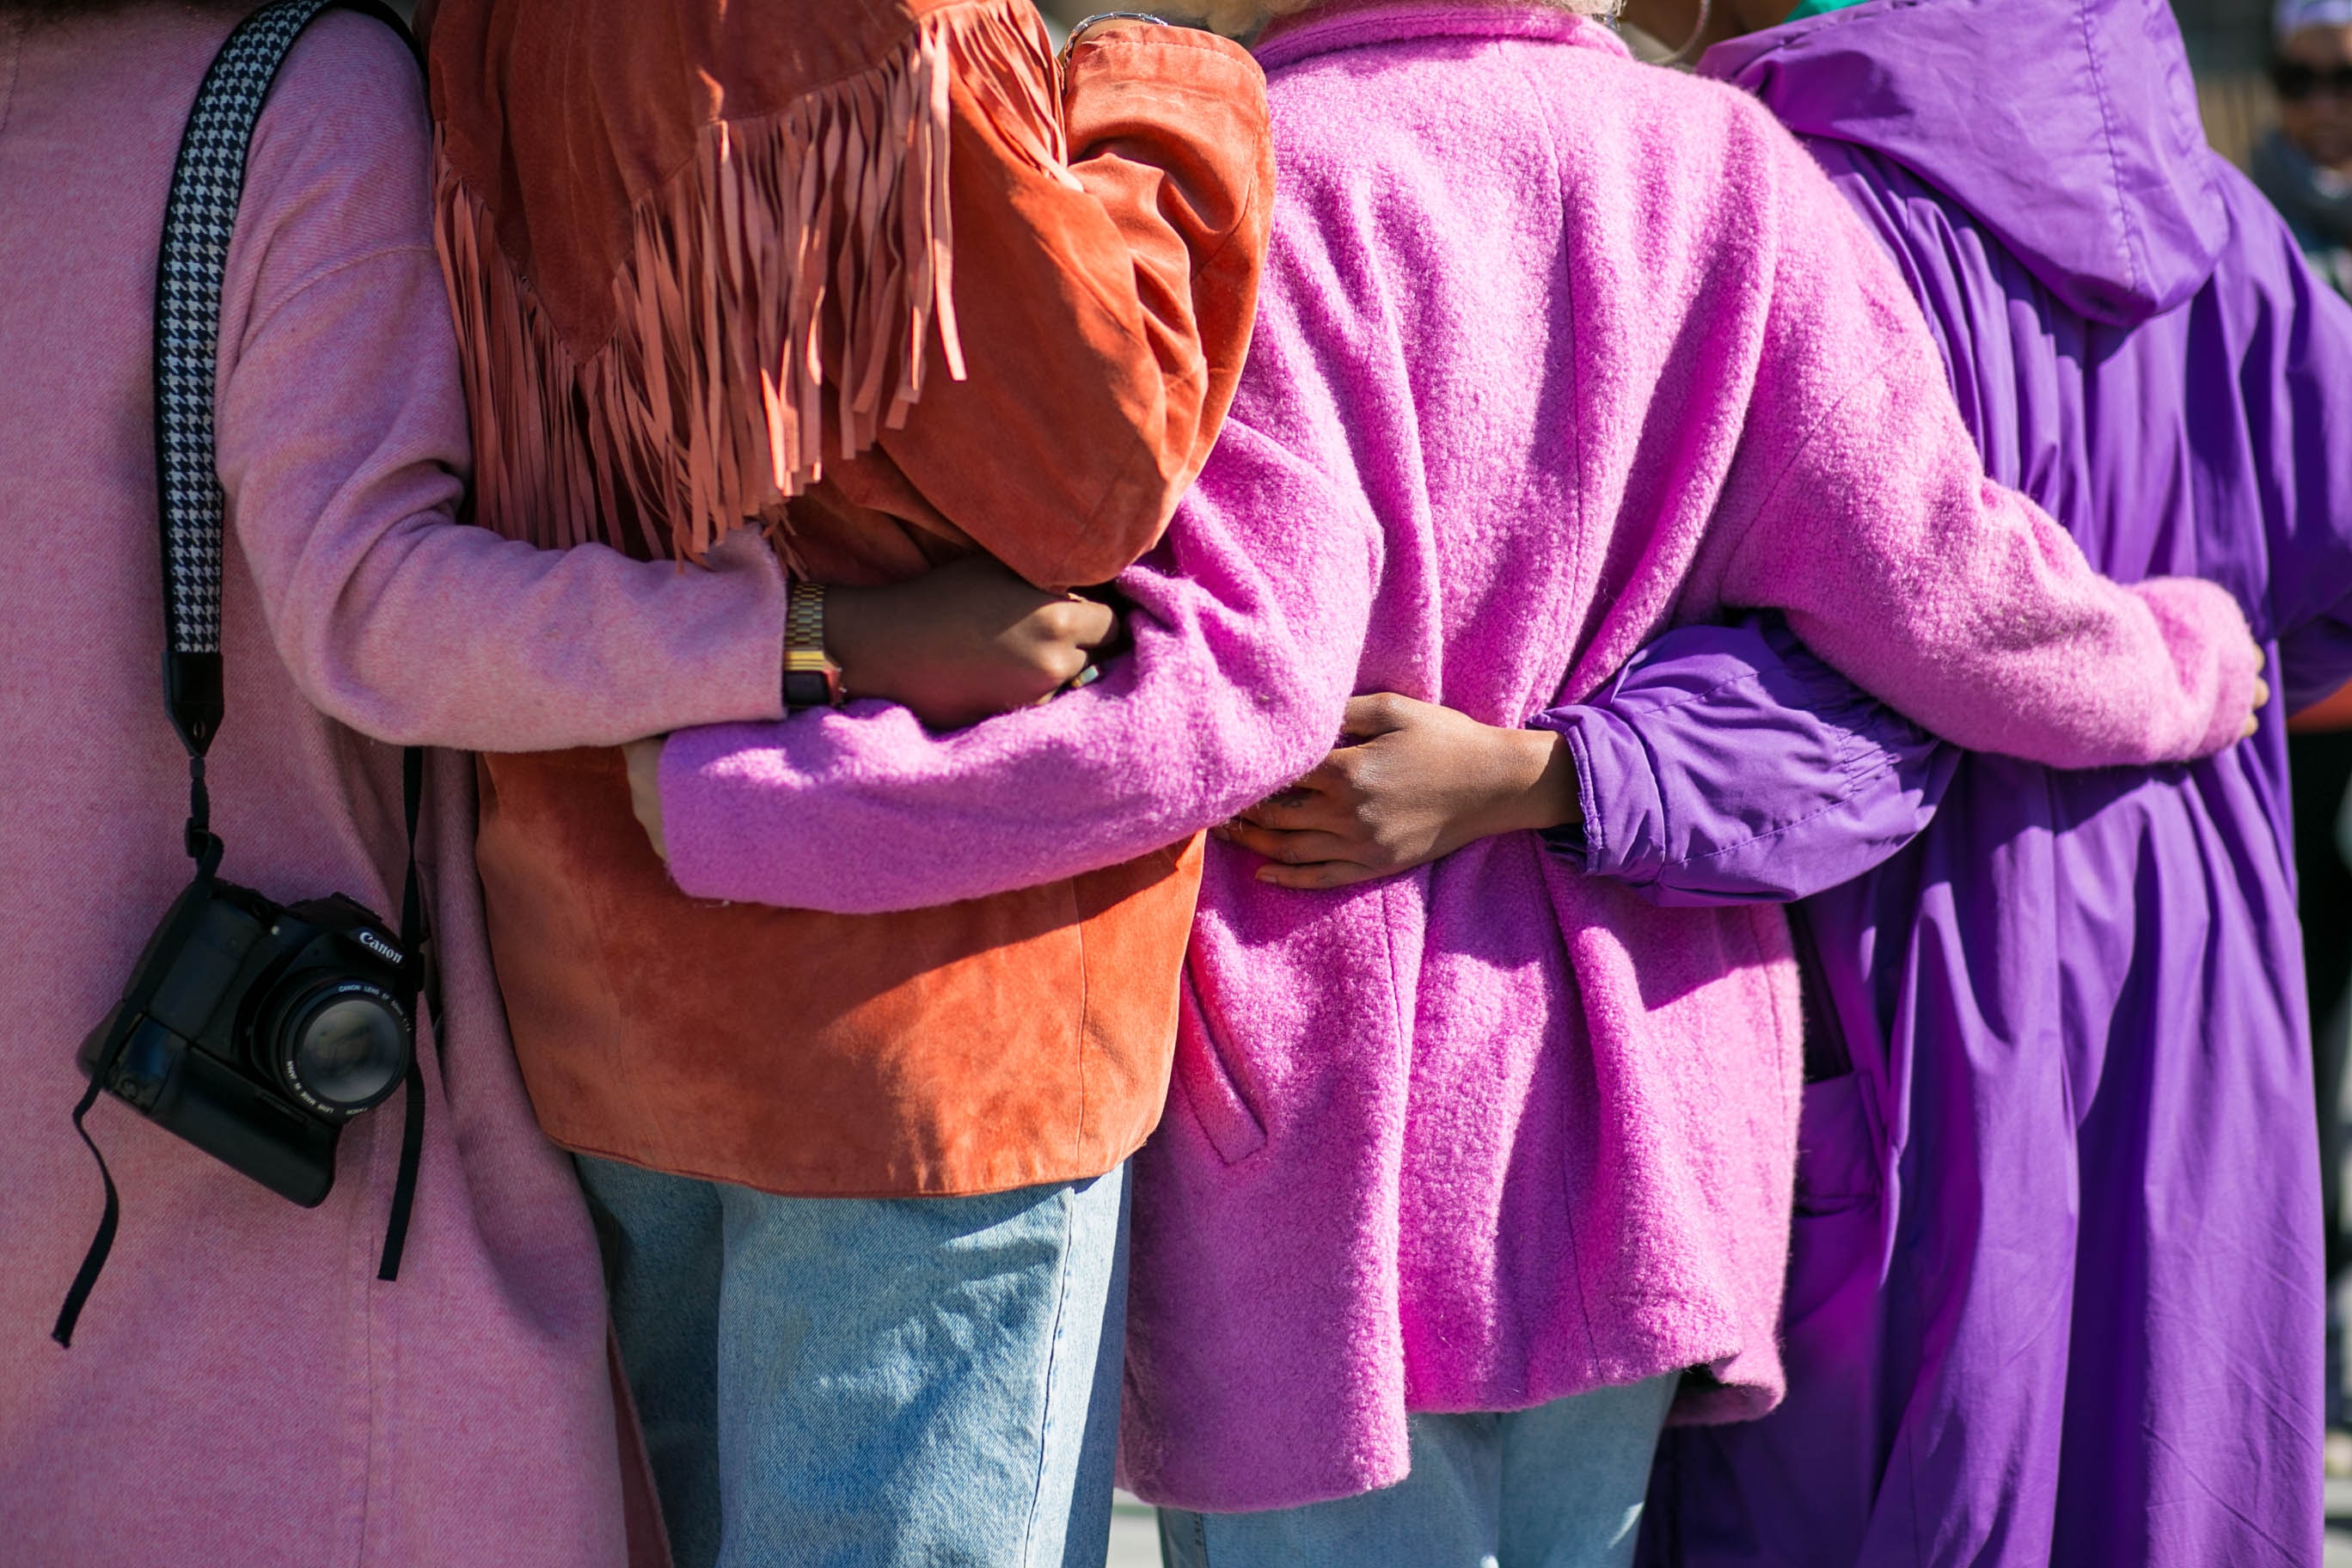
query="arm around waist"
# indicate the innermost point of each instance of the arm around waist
(1728, 764)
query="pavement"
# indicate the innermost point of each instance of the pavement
(1134, 1539)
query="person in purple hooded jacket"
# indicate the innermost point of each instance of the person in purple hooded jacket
(2056, 1293)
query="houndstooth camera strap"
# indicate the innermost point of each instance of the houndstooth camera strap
(199, 221)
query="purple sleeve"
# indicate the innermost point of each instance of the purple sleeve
(1727, 765)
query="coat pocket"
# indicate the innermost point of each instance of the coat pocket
(1830, 1316)
(1211, 1086)
(1837, 1147)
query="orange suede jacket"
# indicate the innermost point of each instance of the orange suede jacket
(1105, 266)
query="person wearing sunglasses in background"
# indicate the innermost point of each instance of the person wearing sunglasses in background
(2305, 165)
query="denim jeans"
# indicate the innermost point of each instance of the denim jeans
(871, 1382)
(1559, 1486)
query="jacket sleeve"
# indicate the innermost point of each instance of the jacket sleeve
(1728, 764)
(1858, 505)
(1247, 623)
(1104, 307)
(342, 450)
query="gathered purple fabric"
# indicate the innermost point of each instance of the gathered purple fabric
(2056, 1290)
(1728, 764)
(1554, 351)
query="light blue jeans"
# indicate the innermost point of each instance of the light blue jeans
(847, 1383)
(1559, 1486)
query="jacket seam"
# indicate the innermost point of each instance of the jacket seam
(1670, 705)
(1140, 448)
(1511, 47)
(1844, 799)
(1877, 373)
(2114, 160)
(1504, 48)
(278, 307)
(1782, 1028)
(1597, 842)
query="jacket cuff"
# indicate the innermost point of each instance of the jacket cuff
(702, 841)
(1623, 831)
(2190, 612)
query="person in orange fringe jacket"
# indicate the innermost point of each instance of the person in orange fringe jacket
(929, 307)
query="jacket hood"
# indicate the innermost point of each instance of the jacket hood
(2068, 127)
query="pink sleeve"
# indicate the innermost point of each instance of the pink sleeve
(1248, 620)
(1860, 507)
(342, 446)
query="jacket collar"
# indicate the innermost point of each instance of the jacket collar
(1332, 28)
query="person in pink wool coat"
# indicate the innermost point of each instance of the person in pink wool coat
(1470, 1173)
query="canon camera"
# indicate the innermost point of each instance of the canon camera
(255, 1031)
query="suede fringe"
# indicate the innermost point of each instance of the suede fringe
(786, 279)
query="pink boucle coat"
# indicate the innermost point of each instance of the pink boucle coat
(1556, 350)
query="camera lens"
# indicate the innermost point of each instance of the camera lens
(341, 1046)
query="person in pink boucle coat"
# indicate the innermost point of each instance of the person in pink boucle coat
(1468, 1172)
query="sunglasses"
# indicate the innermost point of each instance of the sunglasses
(2295, 80)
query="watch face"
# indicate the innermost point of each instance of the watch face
(806, 689)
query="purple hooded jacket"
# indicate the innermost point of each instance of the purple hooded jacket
(2056, 1294)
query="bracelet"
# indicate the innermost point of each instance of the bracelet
(1078, 33)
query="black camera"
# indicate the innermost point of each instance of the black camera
(255, 1031)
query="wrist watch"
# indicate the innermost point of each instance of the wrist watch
(810, 678)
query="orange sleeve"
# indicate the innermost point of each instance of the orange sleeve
(1104, 308)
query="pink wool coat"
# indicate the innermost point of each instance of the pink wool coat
(1554, 351)
(242, 1390)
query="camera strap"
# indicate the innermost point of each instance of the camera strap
(415, 959)
(199, 221)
